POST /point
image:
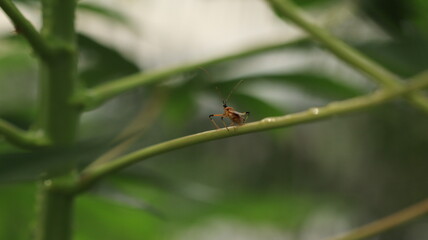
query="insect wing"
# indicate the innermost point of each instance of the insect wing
(240, 114)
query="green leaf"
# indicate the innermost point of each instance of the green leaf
(312, 3)
(13, 219)
(180, 105)
(16, 57)
(400, 19)
(119, 195)
(101, 62)
(94, 221)
(14, 62)
(318, 85)
(17, 73)
(420, 17)
(402, 57)
(29, 2)
(108, 13)
(19, 166)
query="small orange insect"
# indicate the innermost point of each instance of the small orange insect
(238, 118)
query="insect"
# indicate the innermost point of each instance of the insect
(236, 118)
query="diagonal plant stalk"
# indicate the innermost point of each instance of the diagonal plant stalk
(386, 223)
(93, 97)
(21, 138)
(24, 27)
(95, 172)
(345, 52)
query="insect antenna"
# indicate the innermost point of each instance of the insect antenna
(231, 91)
(207, 73)
(221, 96)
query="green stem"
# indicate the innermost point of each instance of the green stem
(21, 138)
(386, 223)
(95, 96)
(24, 27)
(95, 172)
(354, 58)
(55, 211)
(58, 117)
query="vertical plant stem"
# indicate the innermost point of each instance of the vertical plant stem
(58, 118)
(55, 211)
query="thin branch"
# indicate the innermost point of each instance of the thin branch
(345, 52)
(24, 27)
(386, 223)
(94, 173)
(97, 95)
(19, 137)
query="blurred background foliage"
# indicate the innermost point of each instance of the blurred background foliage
(305, 182)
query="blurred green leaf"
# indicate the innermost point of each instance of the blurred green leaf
(19, 166)
(312, 3)
(17, 73)
(14, 62)
(180, 106)
(318, 85)
(388, 14)
(17, 211)
(405, 57)
(182, 100)
(145, 178)
(420, 16)
(102, 63)
(399, 18)
(98, 218)
(27, 1)
(286, 211)
(120, 196)
(16, 57)
(108, 13)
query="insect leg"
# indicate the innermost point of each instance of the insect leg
(224, 123)
(212, 120)
(246, 116)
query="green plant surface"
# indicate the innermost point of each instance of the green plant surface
(17, 221)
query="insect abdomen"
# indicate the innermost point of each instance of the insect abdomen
(236, 118)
